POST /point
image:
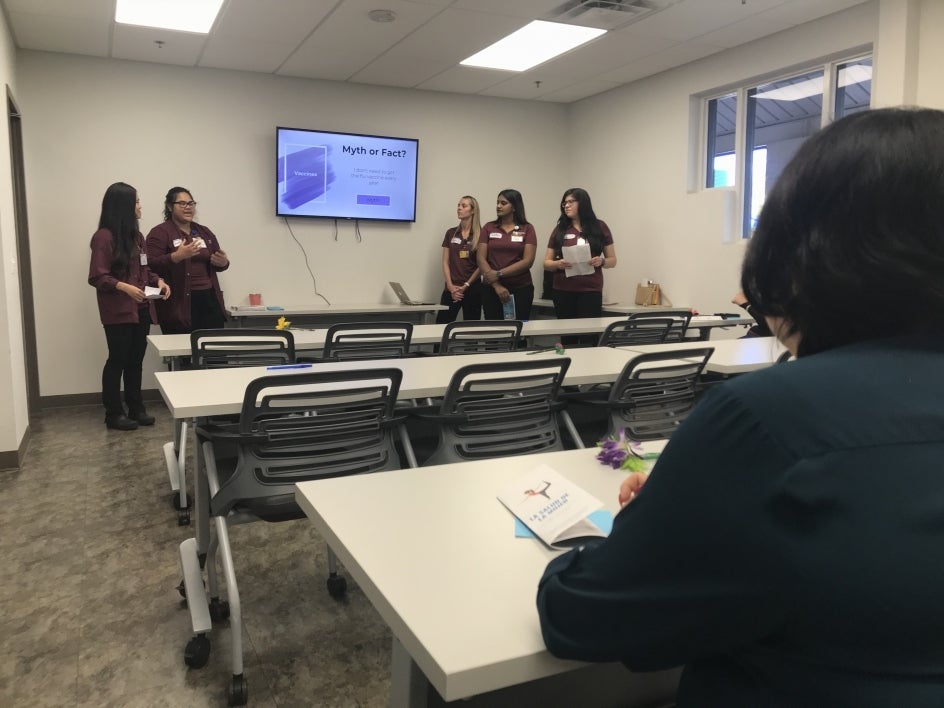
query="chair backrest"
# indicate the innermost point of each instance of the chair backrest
(500, 409)
(784, 357)
(297, 427)
(219, 348)
(480, 336)
(368, 340)
(655, 392)
(649, 330)
(680, 320)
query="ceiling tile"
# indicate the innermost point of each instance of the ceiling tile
(71, 35)
(141, 44)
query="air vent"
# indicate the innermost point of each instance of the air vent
(606, 14)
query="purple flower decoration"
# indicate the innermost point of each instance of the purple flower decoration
(620, 453)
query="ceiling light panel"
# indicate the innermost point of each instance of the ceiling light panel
(178, 15)
(531, 45)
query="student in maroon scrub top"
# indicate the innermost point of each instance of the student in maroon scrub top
(118, 270)
(505, 255)
(579, 295)
(463, 289)
(188, 256)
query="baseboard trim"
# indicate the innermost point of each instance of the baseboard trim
(87, 399)
(12, 459)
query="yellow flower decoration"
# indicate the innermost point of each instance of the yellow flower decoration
(283, 323)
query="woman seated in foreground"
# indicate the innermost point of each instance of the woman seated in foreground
(786, 548)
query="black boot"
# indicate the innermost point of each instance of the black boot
(121, 422)
(141, 417)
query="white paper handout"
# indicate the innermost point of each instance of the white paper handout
(579, 258)
(152, 293)
(552, 506)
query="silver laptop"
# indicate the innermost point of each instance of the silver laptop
(404, 298)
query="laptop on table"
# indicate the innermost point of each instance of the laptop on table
(404, 298)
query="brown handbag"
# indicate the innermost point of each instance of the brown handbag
(648, 294)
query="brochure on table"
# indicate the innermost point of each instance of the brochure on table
(552, 506)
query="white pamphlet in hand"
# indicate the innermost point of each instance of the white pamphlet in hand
(579, 258)
(552, 506)
(152, 293)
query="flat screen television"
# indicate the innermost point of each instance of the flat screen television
(345, 175)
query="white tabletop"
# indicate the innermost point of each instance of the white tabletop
(206, 392)
(178, 345)
(341, 309)
(731, 356)
(435, 552)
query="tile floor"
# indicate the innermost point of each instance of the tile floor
(89, 611)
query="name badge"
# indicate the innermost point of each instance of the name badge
(581, 241)
(456, 240)
(176, 242)
(517, 238)
(199, 241)
(495, 235)
(143, 258)
(463, 254)
(569, 237)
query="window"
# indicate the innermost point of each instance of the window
(777, 117)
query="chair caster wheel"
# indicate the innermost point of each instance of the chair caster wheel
(219, 609)
(183, 518)
(197, 652)
(238, 691)
(337, 586)
(182, 589)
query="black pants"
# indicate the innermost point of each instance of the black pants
(126, 346)
(470, 304)
(205, 310)
(492, 306)
(568, 305)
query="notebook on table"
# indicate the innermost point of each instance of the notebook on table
(404, 298)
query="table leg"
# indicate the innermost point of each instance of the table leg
(408, 685)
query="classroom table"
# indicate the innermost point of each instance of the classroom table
(731, 356)
(174, 346)
(435, 552)
(262, 316)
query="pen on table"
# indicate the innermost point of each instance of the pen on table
(289, 366)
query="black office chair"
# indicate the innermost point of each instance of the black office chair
(498, 410)
(217, 348)
(652, 395)
(680, 321)
(224, 348)
(292, 428)
(367, 340)
(480, 336)
(640, 331)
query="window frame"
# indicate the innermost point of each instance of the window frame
(744, 107)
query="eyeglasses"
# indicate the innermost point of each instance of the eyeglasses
(568, 201)
(184, 204)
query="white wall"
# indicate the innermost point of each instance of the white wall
(14, 417)
(634, 157)
(90, 122)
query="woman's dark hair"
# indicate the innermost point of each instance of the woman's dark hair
(517, 204)
(850, 242)
(589, 223)
(118, 216)
(171, 198)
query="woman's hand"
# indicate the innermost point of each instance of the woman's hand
(136, 294)
(184, 251)
(597, 261)
(503, 294)
(491, 277)
(164, 288)
(219, 259)
(631, 486)
(562, 264)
